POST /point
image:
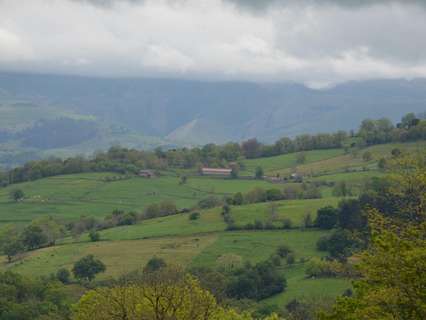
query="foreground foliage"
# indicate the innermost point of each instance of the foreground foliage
(167, 293)
(393, 284)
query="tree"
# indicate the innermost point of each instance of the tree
(408, 120)
(251, 148)
(396, 152)
(287, 223)
(33, 237)
(155, 264)
(63, 275)
(367, 156)
(350, 215)
(291, 259)
(12, 248)
(259, 173)
(326, 217)
(301, 158)
(393, 268)
(94, 235)
(194, 216)
(238, 199)
(307, 221)
(393, 277)
(17, 195)
(88, 267)
(342, 189)
(25, 298)
(235, 172)
(273, 195)
(165, 294)
(183, 179)
(50, 228)
(283, 251)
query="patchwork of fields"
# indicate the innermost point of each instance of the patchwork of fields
(192, 243)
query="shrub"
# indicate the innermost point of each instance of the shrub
(283, 251)
(326, 217)
(287, 223)
(259, 173)
(155, 264)
(273, 195)
(63, 275)
(17, 195)
(256, 282)
(291, 259)
(238, 199)
(209, 202)
(88, 267)
(258, 225)
(307, 221)
(94, 236)
(329, 268)
(194, 216)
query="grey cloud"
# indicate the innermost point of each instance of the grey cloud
(265, 4)
(310, 41)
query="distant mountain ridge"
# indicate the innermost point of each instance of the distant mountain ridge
(196, 112)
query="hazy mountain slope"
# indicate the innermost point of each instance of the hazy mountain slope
(200, 112)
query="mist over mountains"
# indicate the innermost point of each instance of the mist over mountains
(186, 112)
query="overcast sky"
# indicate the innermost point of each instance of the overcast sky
(310, 41)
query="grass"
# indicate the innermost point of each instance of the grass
(219, 186)
(70, 196)
(273, 165)
(299, 287)
(120, 257)
(190, 242)
(177, 225)
(354, 161)
(294, 210)
(256, 246)
(352, 177)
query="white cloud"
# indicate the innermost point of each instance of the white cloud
(302, 41)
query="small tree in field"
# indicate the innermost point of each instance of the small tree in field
(301, 158)
(94, 236)
(17, 195)
(155, 264)
(194, 216)
(259, 173)
(12, 248)
(63, 275)
(88, 267)
(307, 221)
(367, 156)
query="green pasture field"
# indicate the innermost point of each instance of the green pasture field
(351, 177)
(295, 210)
(319, 162)
(176, 225)
(71, 196)
(120, 257)
(299, 287)
(354, 161)
(273, 165)
(123, 256)
(256, 246)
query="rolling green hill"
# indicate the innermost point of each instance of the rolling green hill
(204, 242)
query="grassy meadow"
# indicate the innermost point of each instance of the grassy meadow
(192, 243)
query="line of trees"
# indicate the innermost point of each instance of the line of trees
(123, 160)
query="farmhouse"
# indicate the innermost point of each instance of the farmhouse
(146, 174)
(216, 172)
